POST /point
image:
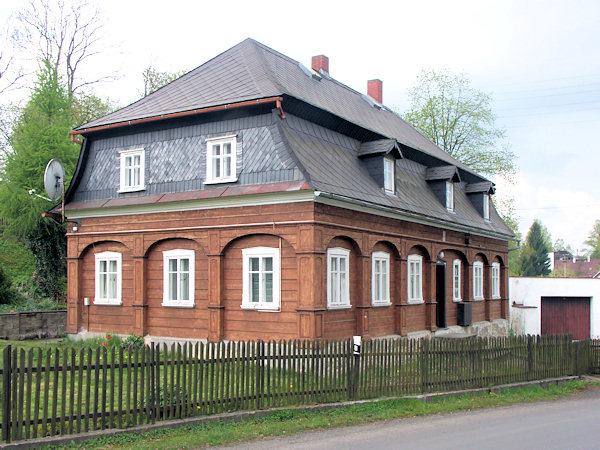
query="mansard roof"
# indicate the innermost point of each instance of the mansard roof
(251, 70)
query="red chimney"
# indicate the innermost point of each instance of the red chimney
(320, 62)
(375, 90)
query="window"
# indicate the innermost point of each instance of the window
(495, 280)
(449, 195)
(380, 275)
(178, 280)
(108, 279)
(132, 170)
(486, 206)
(415, 279)
(478, 280)
(221, 160)
(389, 167)
(261, 282)
(338, 276)
(456, 280)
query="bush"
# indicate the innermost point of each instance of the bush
(133, 342)
(17, 260)
(8, 294)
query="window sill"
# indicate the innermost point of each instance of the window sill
(378, 304)
(478, 299)
(333, 307)
(417, 301)
(496, 297)
(221, 181)
(457, 300)
(134, 189)
(177, 305)
(260, 308)
(108, 302)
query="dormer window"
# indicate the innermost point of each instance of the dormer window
(132, 170)
(389, 175)
(450, 196)
(221, 160)
(486, 206)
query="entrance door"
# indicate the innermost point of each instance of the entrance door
(562, 315)
(440, 294)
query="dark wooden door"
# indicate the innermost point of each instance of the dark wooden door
(562, 315)
(440, 294)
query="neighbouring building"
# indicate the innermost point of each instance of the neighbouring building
(571, 265)
(256, 198)
(545, 305)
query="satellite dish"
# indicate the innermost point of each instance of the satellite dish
(54, 179)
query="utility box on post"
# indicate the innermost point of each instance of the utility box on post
(464, 315)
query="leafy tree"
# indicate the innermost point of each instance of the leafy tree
(459, 120)
(41, 133)
(155, 79)
(593, 240)
(535, 260)
(48, 243)
(561, 245)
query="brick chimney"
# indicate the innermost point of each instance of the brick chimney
(320, 62)
(375, 90)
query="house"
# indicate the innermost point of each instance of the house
(541, 305)
(570, 265)
(255, 198)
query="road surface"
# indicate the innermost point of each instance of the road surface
(572, 423)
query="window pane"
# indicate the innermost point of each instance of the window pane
(227, 168)
(128, 177)
(112, 266)
(102, 266)
(254, 264)
(334, 265)
(216, 149)
(136, 160)
(102, 286)
(216, 163)
(184, 265)
(184, 285)
(268, 287)
(254, 290)
(342, 286)
(172, 288)
(136, 177)
(172, 265)
(112, 285)
(342, 264)
(268, 264)
(227, 148)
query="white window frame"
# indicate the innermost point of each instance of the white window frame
(478, 280)
(107, 257)
(210, 176)
(414, 278)
(456, 280)
(334, 278)
(389, 175)
(380, 288)
(261, 252)
(132, 153)
(486, 206)
(495, 280)
(450, 196)
(179, 254)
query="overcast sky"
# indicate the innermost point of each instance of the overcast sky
(540, 61)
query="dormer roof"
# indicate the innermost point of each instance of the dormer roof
(485, 187)
(380, 147)
(442, 173)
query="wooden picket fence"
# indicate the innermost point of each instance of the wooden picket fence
(65, 391)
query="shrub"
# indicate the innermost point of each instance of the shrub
(8, 294)
(133, 342)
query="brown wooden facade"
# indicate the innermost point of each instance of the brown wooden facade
(303, 231)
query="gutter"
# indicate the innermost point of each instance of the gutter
(193, 112)
(416, 218)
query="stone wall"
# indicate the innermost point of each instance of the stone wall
(33, 324)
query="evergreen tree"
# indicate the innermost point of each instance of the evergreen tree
(535, 260)
(40, 134)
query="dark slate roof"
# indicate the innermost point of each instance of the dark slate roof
(251, 70)
(486, 187)
(331, 162)
(380, 146)
(442, 173)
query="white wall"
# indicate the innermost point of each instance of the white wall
(525, 300)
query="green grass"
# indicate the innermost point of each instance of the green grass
(292, 421)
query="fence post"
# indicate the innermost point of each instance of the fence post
(6, 397)
(529, 357)
(424, 360)
(261, 374)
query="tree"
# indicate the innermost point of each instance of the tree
(593, 240)
(41, 133)
(535, 260)
(561, 245)
(459, 120)
(64, 34)
(155, 79)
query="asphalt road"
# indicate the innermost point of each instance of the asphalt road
(572, 423)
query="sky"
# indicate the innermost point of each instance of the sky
(539, 60)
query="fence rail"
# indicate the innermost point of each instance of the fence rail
(50, 392)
